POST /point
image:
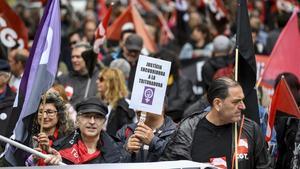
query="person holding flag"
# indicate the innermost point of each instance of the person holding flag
(285, 116)
(211, 132)
(55, 125)
(38, 77)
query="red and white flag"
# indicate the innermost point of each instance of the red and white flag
(131, 14)
(101, 31)
(13, 31)
(283, 101)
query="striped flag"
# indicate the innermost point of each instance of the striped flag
(39, 75)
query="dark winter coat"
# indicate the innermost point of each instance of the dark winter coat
(156, 147)
(119, 116)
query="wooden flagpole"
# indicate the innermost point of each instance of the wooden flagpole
(43, 112)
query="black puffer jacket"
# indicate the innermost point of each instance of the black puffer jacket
(180, 146)
(119, 116)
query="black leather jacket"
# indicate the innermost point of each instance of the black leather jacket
(180, 146)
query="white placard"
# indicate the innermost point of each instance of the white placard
(150, 84)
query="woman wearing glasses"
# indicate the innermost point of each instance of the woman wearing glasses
(112, 88)
(55, 124)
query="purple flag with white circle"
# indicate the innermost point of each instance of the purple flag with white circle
(39, 75)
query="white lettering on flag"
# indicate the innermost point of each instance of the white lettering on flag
(45, 54)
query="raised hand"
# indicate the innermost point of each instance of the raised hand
(43, 141)
(144, 133)
(133, 144)
(54, 157)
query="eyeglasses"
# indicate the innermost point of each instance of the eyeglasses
(90, 115)
(50, 113)
(134, 51)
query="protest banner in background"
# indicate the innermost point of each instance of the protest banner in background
(150, 84)
(13, 31)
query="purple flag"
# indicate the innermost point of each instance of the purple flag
(39, 73)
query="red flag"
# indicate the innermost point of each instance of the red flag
(131, 15)
(166, 34)
(286, 53)
(101, 31)
(283, 101)
(12, 29)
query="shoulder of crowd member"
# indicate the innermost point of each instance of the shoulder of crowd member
(123, 104)
(125, 132)
(169, 124)
(191, 121)
(179, 146)
(162, 136)
(250, 126)
(261, 155)
(62, 78)
(110, 149)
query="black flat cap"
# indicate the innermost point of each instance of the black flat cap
(134, 42)
(92, 105)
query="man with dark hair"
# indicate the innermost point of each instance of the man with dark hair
(17, 60)
(208, 136)
(126, 30)
(131, 52)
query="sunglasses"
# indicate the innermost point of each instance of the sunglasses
(72, 43)
(101, 79)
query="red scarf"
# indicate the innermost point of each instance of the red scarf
(78, 153)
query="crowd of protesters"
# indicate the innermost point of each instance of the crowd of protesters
(86, 116)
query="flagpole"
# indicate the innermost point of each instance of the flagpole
(25, 148)
(236, 79)
(87, 88)
(235, 124)
(43, 112)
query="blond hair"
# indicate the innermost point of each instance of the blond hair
(115, 85)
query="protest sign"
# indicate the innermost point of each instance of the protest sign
(150, 84)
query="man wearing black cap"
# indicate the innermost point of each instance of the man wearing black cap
(88, 144)
(132, 49)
